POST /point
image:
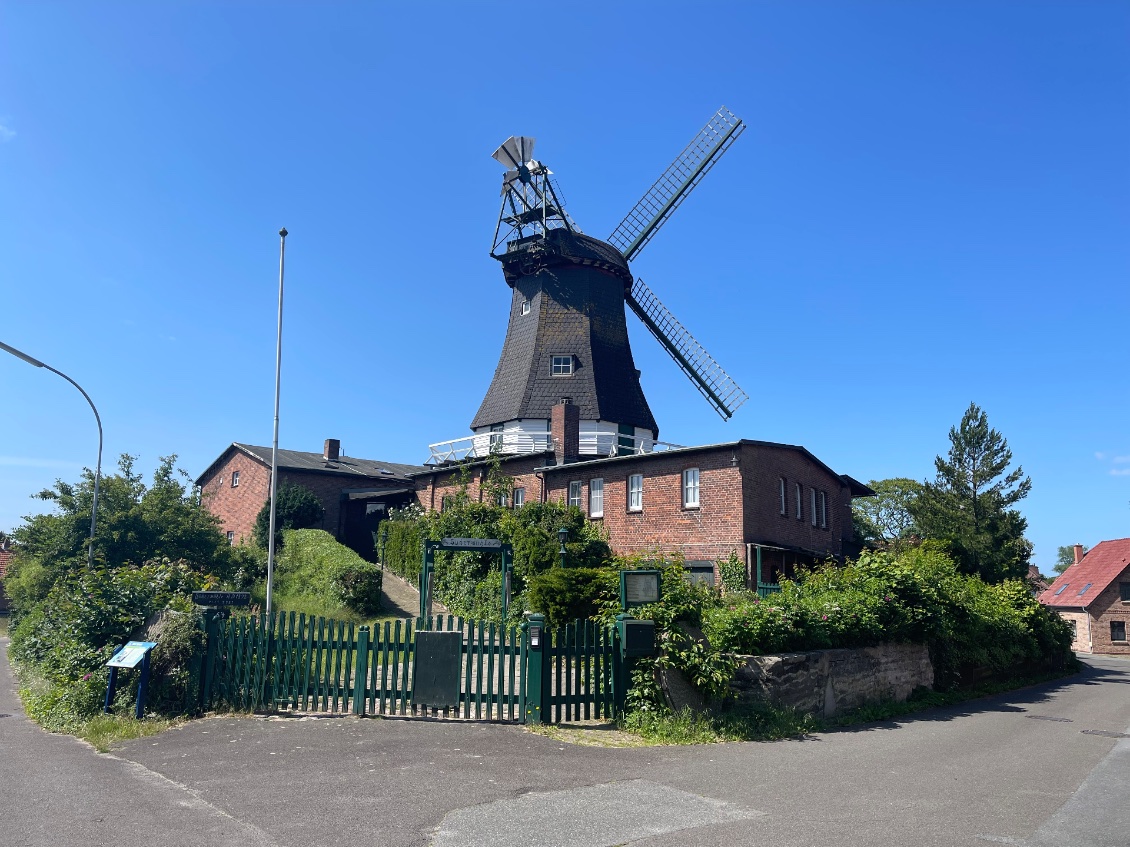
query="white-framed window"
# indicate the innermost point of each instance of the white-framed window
(784, 498)
(813, 492)
(235, 479)
(596, 498)
(690, 488)
(446, 502)
(496, 436)
(822, 501)
(231, 538)
(561, 365)
(525, 307)
(575, 493)
(504, 500)
(799, 501)
(519, 498)
(635, 492)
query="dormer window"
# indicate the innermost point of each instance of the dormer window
(561, 365)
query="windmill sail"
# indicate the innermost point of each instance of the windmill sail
(716, 385)
(687, 171)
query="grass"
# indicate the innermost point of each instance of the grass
(105, 730)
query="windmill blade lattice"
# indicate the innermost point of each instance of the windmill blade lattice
(669, 191)
(717, 386)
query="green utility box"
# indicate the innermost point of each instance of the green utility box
(637, 638)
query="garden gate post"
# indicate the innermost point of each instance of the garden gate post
(533, 641)
(211, 653)
(620, 669)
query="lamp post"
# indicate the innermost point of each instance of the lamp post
(563, 536)
(275, 443)
(97, 419)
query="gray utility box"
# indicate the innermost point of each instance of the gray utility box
(637, 638)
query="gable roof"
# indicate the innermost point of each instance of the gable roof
(1098, 569)
(297, 460)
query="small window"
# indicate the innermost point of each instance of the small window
(575, 493)
(784, 498)
(822, 499)
(235, 479)
(596, 498)
(519, 498)
(690, 488)
(231, 538)
(1118, 630)
(561, 366)
(812, 491)
(1124, 592)
(496, 437)
(799, 502)
(446, 502)
(1084, 591)
(1059, 590)
(525, 307)
(504, 500)
(635, 492)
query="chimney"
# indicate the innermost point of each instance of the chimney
(1078, 554)
(565, 431)
(332, 450)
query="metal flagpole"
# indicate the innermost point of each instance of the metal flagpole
(275, 442)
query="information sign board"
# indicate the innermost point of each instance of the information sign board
(131, 655)
(638, 587)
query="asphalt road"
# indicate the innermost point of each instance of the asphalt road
(1016, 769)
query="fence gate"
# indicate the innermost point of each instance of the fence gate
(442, 666)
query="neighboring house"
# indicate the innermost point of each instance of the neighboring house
(1093, 595)
(5, 558)
(356, 493)
(1037, 582)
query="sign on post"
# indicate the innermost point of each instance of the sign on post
(134, 653)
(221, 598)
(638, 588)
(131, 655)
(471, 544)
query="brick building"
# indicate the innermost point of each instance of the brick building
(1093, 595)
(774, 505)
(355, 493)
(5, 558)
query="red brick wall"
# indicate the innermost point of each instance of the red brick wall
(763, 467)
(432, 488)
(237, 507)
(710, 532)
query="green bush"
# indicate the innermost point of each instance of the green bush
(298, 508)
(565, 594)
(316, 567)
(404, 544)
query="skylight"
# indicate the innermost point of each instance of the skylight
(1060, 589)
(1084, 591)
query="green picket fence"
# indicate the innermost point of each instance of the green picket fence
(289, 661)
(578, 665)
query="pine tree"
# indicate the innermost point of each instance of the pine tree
(969, 504)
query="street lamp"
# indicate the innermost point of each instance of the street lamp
(97, 419)
(562, 536)
(275, 442)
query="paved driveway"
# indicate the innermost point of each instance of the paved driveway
(994, 772)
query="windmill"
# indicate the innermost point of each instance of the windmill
(567, 337)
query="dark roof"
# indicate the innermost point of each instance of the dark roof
(297, 460)
(1098, 569)
(575, 288)
(858, 489)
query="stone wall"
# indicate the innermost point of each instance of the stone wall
(827, 682)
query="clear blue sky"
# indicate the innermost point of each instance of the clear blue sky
(930, 207)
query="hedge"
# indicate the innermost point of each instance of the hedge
(315, 565)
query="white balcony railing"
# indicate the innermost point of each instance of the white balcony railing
(592, 443)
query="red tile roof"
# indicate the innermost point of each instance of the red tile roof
(1100, 567)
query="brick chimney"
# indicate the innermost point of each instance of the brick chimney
(1078, 553)
(565, 431)
(332, 450)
